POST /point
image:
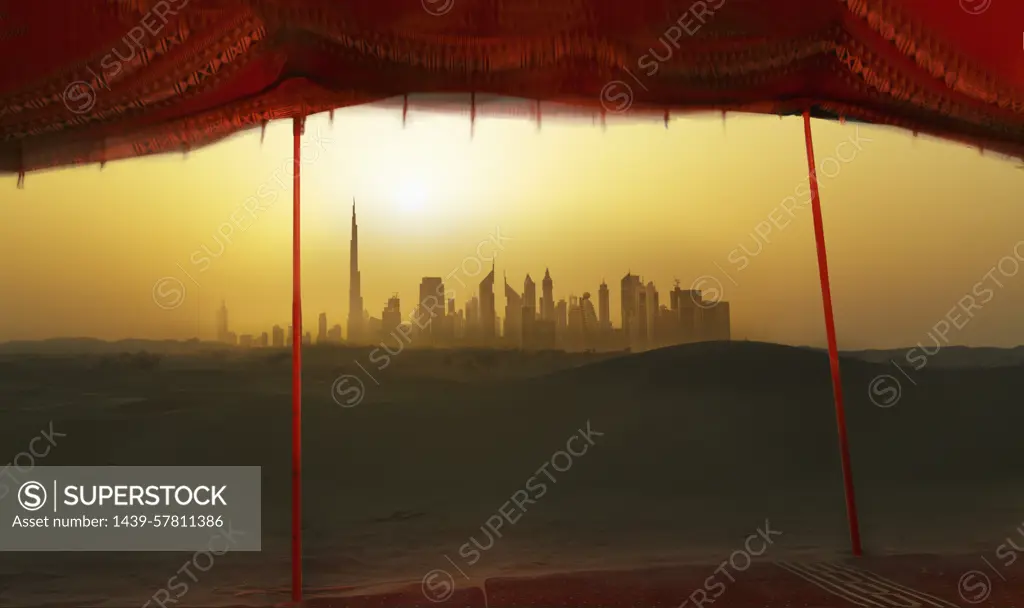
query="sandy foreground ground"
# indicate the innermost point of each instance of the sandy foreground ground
(623, 481)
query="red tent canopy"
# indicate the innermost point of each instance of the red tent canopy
(97, 80)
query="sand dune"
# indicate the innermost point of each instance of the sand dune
(698, 444)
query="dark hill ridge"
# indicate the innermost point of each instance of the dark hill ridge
(946, 356)
(777, 402)
(710, 363)
(692, 412)
(73, 346)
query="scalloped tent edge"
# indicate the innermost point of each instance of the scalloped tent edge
(102, 80)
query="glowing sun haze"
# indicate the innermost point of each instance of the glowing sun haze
(912, 225)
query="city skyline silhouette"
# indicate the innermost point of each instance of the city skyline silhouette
(590, 204)
(574, 324)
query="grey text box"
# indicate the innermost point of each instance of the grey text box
(133, 509)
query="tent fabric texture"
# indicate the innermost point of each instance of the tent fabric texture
(91, 81)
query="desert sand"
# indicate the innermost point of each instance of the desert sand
(691, 449)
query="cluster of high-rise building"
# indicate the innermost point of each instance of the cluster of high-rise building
(528, 323)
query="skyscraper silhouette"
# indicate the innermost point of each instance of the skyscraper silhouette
(651, 311)
(561, 319)
(631, 286)
(321, 335)
(589, 317)
(222, 323)
(603, 307)
(690, 313)
(391, 317)
(513, 316)
(430, 311)
(547, 300)
(573, 336)
(716, 324)
(529, 295)
(640, 319)
(473, 316)
(355, 297)
(487, 312)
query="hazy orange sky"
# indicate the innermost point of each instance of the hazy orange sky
(913, 225)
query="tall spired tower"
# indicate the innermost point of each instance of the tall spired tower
(355, 297)
(222, 322)
(547, 298)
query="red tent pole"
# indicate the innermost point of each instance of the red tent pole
(830, 330)
(297, 129)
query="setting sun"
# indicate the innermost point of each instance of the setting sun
(411, 195)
